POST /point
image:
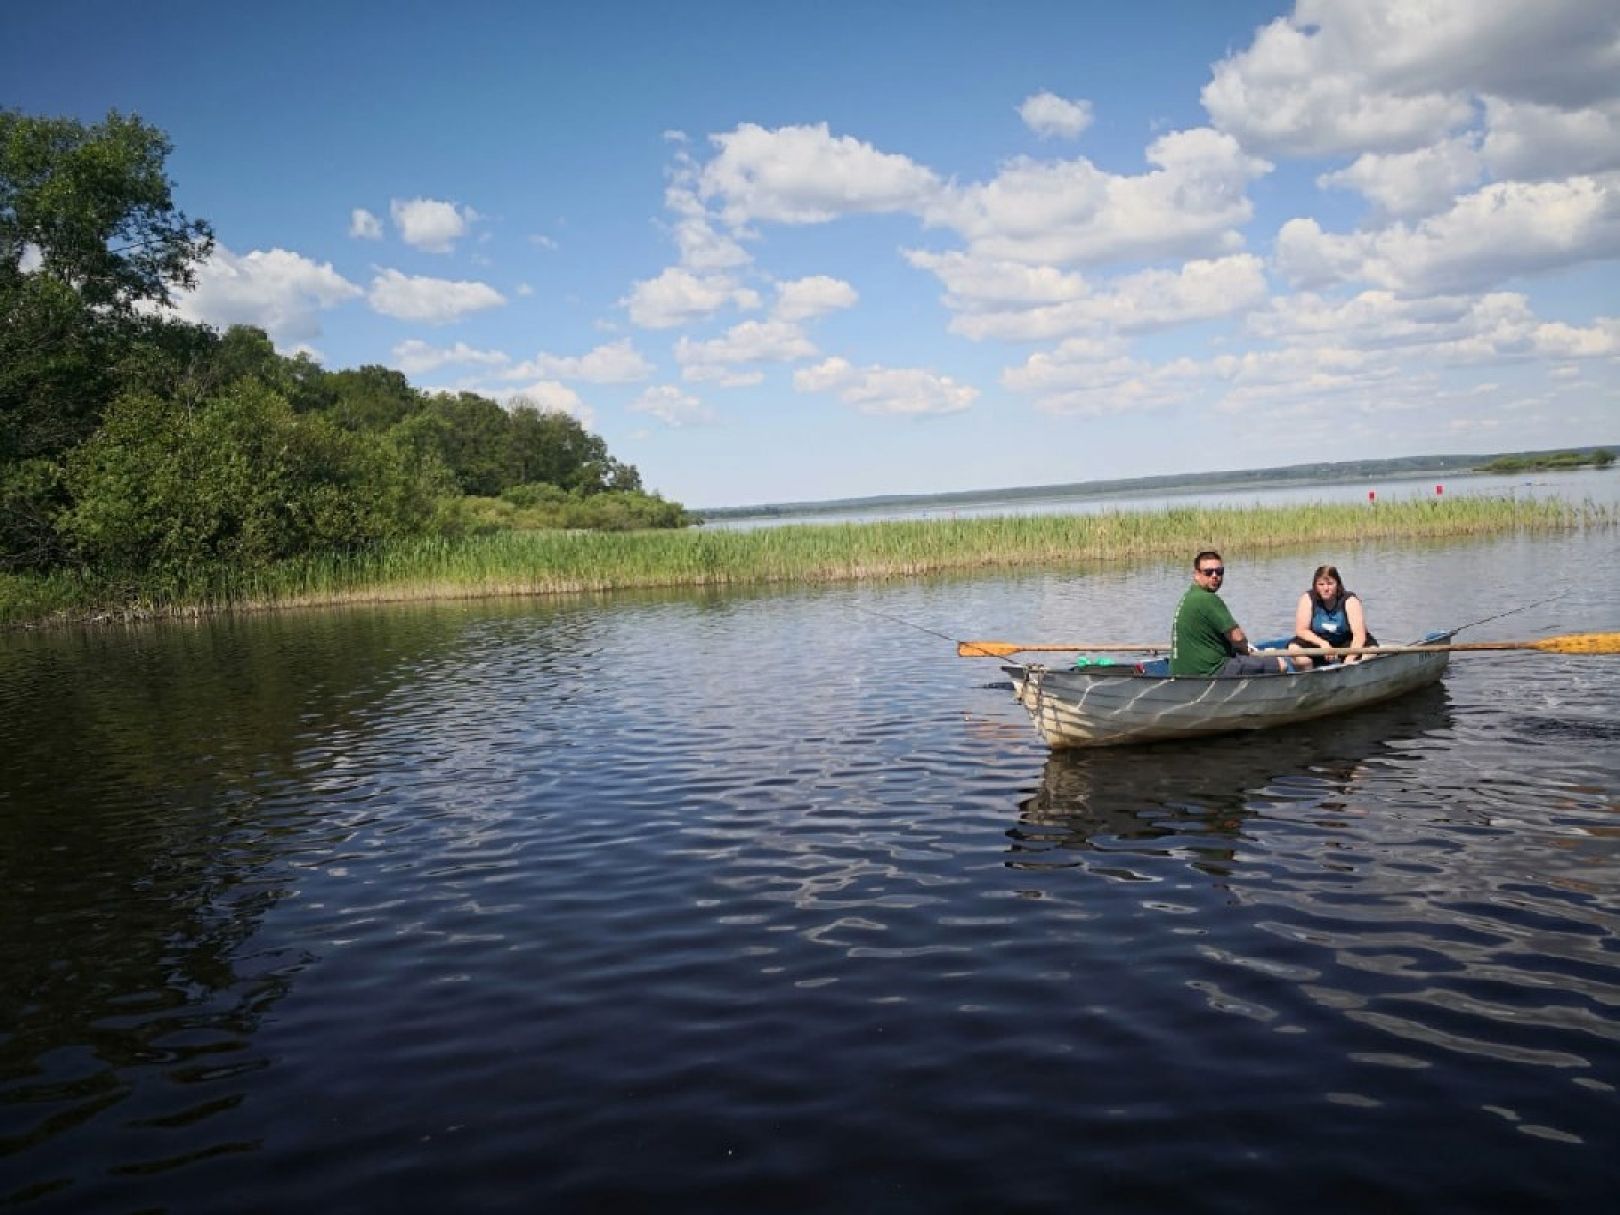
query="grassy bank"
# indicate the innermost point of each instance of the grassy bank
(530, 563)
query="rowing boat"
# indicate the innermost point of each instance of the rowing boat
(1110, 706)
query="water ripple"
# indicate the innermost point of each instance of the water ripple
(734, 901)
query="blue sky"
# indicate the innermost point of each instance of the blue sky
(783, 252)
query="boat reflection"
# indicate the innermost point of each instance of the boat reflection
(1194, 797)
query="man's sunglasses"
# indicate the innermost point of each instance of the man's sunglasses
(1214, 571)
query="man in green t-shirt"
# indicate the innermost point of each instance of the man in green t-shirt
(1204, 639)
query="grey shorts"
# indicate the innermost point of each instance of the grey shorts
(1248, 664)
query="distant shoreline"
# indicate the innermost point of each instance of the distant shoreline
(1345, 472)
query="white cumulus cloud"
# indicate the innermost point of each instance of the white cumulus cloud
(415, 357)
(1150, 299)
(1422, 334)
(973, 281)
(886, 390)
(430, 224)
(806, 298)
(1058, 212)
(678, 297)
(1054, 117)
(436, 301)
(1502, 230)
(1351, 76)
(1073, 363)
(363, 225)
(807, 175)
(1410, 184)
(1091, 378)
(281, 292)
(614, 363)
(1530, 142)
(548, 396)
(702, 248)
(671, 406)
(748, 342)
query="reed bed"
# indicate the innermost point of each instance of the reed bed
(538, 563)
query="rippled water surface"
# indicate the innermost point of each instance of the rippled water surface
(768, 902)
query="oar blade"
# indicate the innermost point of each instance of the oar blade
(986, 649)
(1581, 643)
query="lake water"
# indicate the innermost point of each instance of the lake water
(766, 901)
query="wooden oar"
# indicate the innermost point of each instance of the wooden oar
(1000, 649)
(1568, 643)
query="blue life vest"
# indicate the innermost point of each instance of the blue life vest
(1331, 626)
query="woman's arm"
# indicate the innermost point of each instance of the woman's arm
(1302, 622)
(1358, 625)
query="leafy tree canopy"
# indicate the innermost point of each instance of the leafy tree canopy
(91, 207)
(90, 244)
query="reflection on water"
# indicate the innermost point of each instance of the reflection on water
(1380, 882)
(143, 799)
(1110, 802)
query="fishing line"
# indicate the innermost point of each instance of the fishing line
(923, 628)
(910, 624)
(1510, 612)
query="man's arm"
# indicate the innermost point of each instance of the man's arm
(1240, 643)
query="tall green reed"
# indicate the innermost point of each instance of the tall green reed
(527, 563)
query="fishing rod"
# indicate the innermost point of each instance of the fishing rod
(994, 649)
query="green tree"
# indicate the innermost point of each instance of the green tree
(90, 240)
(556, 449)
(95, 205)
(370, 398)
(246, 352)
(619, 477)
(475, 442)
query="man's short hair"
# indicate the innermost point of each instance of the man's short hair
(1207, 553)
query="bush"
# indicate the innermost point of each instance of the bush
(240, 479)
(32, 494)
(536, 494)
(543, 507)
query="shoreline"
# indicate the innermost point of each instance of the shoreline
(1339, 473)
(515, 564)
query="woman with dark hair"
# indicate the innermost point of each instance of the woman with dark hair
(1328, 615)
